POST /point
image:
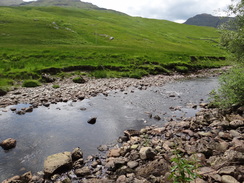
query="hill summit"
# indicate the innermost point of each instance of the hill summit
(207, 20)
(11, 2)
(62, 3)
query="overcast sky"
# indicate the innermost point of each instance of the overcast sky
(174, 10)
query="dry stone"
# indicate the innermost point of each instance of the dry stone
(57, 162)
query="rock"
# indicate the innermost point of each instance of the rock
(121, 179)
(114, 153)
(83, 171)
(228, 170)
(198, 180)
(26, 177)
(156, 167)
(115, 163)
(29, 109)
(132, 164)
(78, 164)
(130, 133)
(157, 117)
(76, 154)
(103, 148)
(228, 179)
(57, 162)
(92, 121)
(146, 153)
(8, 143)
(237, 123)
(14, 179)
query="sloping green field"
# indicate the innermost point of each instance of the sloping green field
(34, 39)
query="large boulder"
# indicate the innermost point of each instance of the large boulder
(8, 143)
(57, 163)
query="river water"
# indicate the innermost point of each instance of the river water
(64, 126)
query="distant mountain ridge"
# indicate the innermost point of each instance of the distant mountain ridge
(11, 2)
(207, 20)
(62, 3)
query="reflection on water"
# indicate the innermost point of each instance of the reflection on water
(64, 126)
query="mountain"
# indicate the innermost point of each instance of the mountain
(37, 39)
(62, 3)
(10, 2)
(207, 20)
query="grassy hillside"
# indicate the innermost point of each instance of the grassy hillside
(35, 39)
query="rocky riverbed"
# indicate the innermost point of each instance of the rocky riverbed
(213, 140)
(68, 90)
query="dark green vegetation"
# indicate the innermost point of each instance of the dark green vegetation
(30, 83)
(36, 40)
(208, 20)
(231, 92)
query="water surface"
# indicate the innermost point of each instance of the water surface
(64, 126)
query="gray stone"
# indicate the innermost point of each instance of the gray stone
(228, 170)
(56, 162)
(228, 179)
(132, 164)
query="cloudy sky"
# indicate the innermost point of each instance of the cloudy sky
(174, 10)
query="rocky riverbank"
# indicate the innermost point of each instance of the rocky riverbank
(68, 90)
(213, 140)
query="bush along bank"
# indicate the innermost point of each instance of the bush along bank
(208, 148)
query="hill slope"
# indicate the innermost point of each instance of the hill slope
(207, 20)
(38, 39)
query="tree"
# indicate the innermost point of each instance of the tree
(231, 91)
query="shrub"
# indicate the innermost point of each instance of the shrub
(182, 69)
(99, 74)
(183, 170)
(31, 83)
(79, 79)
(231, 91)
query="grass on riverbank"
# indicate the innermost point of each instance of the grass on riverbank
(104, 43)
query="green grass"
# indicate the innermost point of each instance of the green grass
(35, 39)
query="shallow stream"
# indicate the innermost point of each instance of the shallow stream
(64, 126)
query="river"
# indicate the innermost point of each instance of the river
(63, 126)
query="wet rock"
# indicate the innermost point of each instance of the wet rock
(92, 121)
(8, 143)
(57, 162)
(228, 179)
(77, 154)
(14, 179)
(83, 171)
(157, 117)
(146, 153)
(103, 148)
(131, 133)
